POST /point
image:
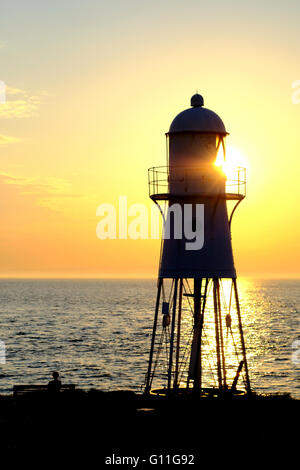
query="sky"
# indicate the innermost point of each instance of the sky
(91, 89)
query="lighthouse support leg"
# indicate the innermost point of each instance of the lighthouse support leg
(178, 333)
(221, 333)
(172, 335)
(219, 368)
(153, 335)
(203, 297)
(241, 334)
(195, 369)
(198, 329)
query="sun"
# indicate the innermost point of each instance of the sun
(234, 158)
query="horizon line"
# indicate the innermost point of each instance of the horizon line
(140, 277)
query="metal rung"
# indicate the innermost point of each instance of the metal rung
(193, 295)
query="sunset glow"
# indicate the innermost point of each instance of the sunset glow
(85, 118)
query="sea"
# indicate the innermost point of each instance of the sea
(97, 333)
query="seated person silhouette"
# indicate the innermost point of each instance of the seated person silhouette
(55, 384)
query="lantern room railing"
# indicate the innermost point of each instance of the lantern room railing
(161, 178)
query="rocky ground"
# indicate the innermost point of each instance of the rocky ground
(108, 428)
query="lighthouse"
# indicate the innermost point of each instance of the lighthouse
(197, 339)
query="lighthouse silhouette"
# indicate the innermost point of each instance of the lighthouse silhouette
(197, 339)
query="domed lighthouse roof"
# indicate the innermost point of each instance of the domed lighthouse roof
(198, 119)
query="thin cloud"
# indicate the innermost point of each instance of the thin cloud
(48, 193)
(15, 91)
(21, 108)
(20, 104)
(8, 139)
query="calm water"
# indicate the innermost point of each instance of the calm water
(97, 332)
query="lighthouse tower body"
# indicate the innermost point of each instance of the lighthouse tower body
(194, 137)
(196, 255)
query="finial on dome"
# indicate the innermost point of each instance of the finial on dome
(197, 101)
